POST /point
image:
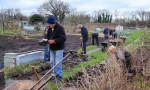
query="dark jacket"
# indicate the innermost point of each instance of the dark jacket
(126, 57)
(106, 31)
(58, 34)
(84, 34)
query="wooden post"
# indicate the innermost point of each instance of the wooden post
(35, 72)
(3, 26)
(21, 24)
(2, 80)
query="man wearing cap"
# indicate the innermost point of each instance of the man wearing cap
(84, 34)
(56, 37)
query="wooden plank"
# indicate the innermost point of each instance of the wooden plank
(2, 80)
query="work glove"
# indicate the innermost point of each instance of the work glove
(52, 41)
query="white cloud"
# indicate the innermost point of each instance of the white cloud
(26, 6)
(29, 6)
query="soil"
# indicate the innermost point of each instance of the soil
(18, 44)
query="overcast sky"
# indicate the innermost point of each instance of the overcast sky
(29, 6)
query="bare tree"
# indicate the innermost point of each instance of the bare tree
(2, 14)
(17, 14)
(94, 16)
(11, 14)
(141, 15)
(116, 14)
(56, 7)
(75, 17)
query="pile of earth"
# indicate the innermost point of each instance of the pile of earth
(87, 76)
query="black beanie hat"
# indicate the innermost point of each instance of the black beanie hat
(51, 20)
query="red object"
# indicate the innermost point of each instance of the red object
(52, 42)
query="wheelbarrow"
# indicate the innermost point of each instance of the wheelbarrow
(104, 45)
(32, 85)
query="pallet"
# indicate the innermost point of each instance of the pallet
(116, 41)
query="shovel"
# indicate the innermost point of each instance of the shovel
(43, 84)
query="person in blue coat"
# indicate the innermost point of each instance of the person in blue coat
(47, 46)
(106, 33)
(84, 34)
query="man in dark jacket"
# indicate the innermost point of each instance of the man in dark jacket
(84, 34)
(56, 37)
(123, 57)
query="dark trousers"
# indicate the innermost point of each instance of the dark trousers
(95, 36)
(106, 37)
(47, 52)
(115, 35)
(83, 45)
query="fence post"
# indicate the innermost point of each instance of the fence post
(2, 80)
(3, 26)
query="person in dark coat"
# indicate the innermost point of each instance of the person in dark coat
(46, 47)
(115, 34)
(56, 37)
(84, 34)
(95, 35)
(106, 33)
(123, 57)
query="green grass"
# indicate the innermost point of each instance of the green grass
(8, 32)
(22, 67)
(133, 36)
(15, 31)
(146, 36)
(91, 47)
(16, 68)
(99, 57)
(90, 33)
